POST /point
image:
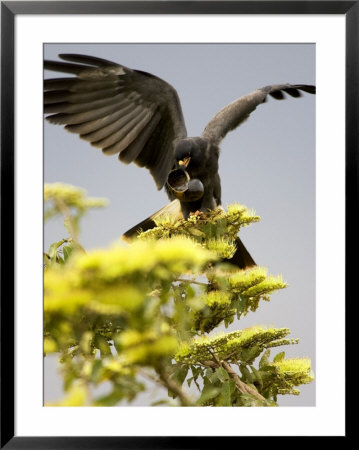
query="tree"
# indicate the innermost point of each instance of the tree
(152, 311)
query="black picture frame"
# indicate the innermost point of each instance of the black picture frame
(9, 10)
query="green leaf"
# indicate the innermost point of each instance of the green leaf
(248, 400)
(279, 357)
(249, 354)
(190, 292)
(222, 374)
(228, 320)
(225, 395)
(102, 344)
(67, 251)
(275, 393)
(209, 392)
(257, 376)
(240, 305)
(96, 371)
(207, 374)
(53, 248)
(160, 402)
(272, 370)
(210, 230)
(196, 232)
(221, 227)
(59, 259)
(180, 374)
(265, 359)
(196, 371)
(111, 399)
(247, 376)
(211, 377)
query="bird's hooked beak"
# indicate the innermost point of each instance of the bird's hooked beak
(183, 188)
(184, 163)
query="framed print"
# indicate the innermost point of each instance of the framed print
(177, 340)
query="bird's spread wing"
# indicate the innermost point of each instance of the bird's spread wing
(235, 113)
(117, 109)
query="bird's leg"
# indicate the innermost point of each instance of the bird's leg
(196, 213)
(189, 208)
(208, 202)
(199, 207)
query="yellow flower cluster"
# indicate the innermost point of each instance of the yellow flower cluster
(72, 196)
(229, 345)
(111, 281)
(215, 230)
(145, 347)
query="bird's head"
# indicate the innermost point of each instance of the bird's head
(189, 153)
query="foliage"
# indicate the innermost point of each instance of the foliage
(125, 316)
(71, 203)
(216, 230)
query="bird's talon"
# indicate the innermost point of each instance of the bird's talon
(199, 214)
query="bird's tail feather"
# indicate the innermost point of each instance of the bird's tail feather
(241, 257)
(173, 209)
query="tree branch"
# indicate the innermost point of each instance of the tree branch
(241, 385)
(173, 386)
(183, 280)
(65, 210)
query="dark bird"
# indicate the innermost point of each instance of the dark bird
(139, 116)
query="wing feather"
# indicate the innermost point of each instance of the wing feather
(93, 125)
(122, 117)
(73, 107)
(77, 85)
(118, 141)
(81, 97)
(130, 154)
(117, 109)
(232, 115)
